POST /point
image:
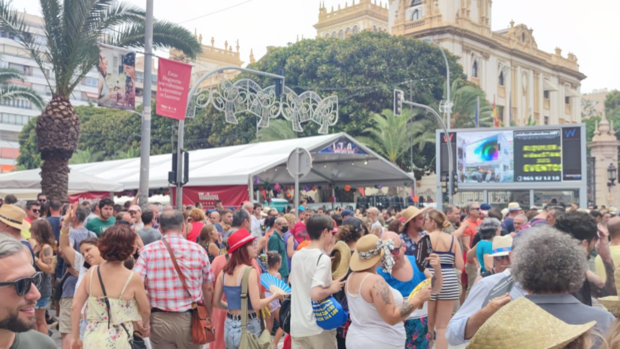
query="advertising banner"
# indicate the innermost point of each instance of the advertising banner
(485, 157)
(172, 88)
(117, 78)
(229, 195)
(90, 195)
(343, 146)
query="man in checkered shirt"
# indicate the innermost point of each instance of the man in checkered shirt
(170, 302)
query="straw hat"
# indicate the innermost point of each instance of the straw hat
(514, 206)
(365, 244)
(612, 303)
(502, 245)
(524, 325)
(342, 258)
(410, 213)
(13, 216)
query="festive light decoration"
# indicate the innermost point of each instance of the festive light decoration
(347, 188)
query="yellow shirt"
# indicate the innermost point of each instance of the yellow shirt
(598, 262)
(26, 233)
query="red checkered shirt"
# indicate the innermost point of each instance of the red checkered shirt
(162, 282)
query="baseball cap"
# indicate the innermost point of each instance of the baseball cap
(347, 213)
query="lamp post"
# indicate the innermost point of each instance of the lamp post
(447, 107)
(611, 176)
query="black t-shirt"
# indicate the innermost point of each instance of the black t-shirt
(32, 339)
(584, 295)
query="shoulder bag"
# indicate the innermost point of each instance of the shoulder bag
(136, 341)
(203, 331)
(250, 340)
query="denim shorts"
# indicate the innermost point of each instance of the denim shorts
(232, 331)
(43, 303)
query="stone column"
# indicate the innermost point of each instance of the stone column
(604, 148)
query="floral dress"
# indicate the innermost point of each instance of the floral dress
(107, 334)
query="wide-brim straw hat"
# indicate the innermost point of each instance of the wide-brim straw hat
(341, 261)
(364, 244)
(524, 325)
(410, 213)
(13, 216)
(612, 303)
(502, 245)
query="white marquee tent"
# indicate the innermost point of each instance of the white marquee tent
(27, 184)
(337, 159)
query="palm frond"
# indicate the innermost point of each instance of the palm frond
(277, 130)
(13, 92)
(165, 35)
(114, 15)
(7, 74)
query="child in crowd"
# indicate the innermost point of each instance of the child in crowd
(274, 261)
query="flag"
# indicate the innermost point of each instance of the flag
(477, 112)
(496, 122)
(117, 78)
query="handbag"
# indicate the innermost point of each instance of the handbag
(203, 331)
(329, 313)
(285, 314)
(250, 340)
(135, 341)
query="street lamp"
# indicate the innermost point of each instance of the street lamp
(611, 176)
(447, 107)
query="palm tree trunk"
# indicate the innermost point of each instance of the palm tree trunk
(55, 177)
(58, 130)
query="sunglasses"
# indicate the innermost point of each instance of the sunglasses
(42, 200)
(396, 250)
(476, 208)
(36, 210)
(22, 286)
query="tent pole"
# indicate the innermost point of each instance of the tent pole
(251, 188)
(333, 196)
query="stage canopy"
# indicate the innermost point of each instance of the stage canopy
(339, 159)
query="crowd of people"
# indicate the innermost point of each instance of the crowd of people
(331, 278)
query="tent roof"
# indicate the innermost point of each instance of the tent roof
(236, 165)
(25, 182)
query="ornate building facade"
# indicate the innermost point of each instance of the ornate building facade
(524, 81)
(352, 19)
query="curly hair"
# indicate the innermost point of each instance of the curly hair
(549, 261)
(488, 228)
(579, 225)
(197, 214)
(348, 233)
(117, 243)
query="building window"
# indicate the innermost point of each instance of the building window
(341, 34)
(474, 69)
(374, 28)
(327, 36)
(523, 37)
(415, 2)
(333, 34)
(501, 78)
(416, 15)
(92, 82)
(566, 100)
(546, 120)
(546, 94)
(355, 29)
(347, 32)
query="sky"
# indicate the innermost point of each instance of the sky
(583, 28)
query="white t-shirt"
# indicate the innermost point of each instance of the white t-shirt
(78, 263)
(305, 275)
(255, 227)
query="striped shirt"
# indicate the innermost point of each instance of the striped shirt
(162, 282)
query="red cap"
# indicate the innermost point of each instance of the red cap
(335, 230)
(238, 239)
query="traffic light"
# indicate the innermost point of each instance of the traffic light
(172, 175)
(398, 102)
(279, 82)
(455, 181)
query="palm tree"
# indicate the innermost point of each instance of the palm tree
(128, 154)
(390, 135)
(85, 156)
(10, 92)
(464, 96)
(277, 130)
(73, 30)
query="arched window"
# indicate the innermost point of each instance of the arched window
(415, 2)
(341, 34)
(333, 34)
(326, 35)
(374, 28)
(474, 69)
(347, 32)
(416, 15)
(522, 36)
(501, 78)
(355, 29)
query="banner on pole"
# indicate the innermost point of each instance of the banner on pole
(229, 195)
(172, 88)
(117, 78)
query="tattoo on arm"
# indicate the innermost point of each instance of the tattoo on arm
(382, 291)
(406, 309)
(47, 251)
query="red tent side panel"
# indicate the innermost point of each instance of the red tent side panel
(90, 195)
(230, 195)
